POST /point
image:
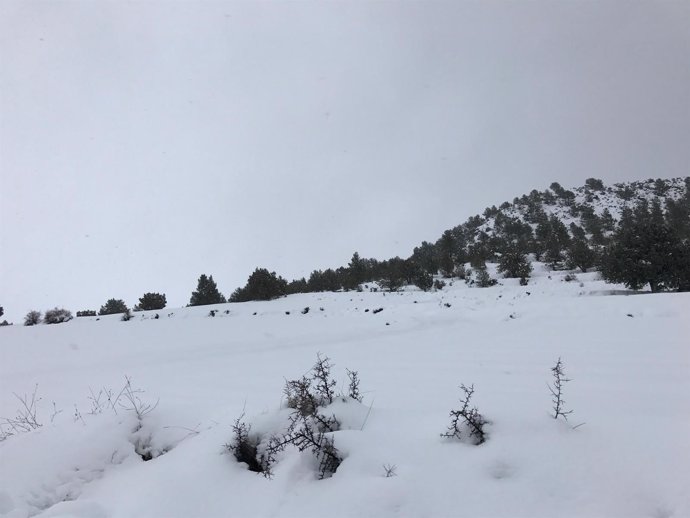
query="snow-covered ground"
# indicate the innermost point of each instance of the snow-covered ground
(628, 357)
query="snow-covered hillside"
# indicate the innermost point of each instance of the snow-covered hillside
(630, 389)
(570, 205)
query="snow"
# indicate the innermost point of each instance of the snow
(627, 357)
(601, 201)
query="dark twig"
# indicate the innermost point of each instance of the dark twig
(557, 391)
(467, 418)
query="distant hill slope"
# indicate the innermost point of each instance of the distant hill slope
(635, 233)
(637, 230)
(577, 205)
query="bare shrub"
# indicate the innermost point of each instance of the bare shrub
(559, 379)
(322, 378)
(25, 419)
(353, 387)
(132, 400)
(467, 421)
(389, 470)
(308, 428)
(244, 447)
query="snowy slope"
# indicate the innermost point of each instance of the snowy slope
(608, 199)
(627, 356)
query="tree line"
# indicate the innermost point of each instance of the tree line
(649, 245)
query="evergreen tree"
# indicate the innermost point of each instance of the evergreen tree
(656, 214)
(513, 263)
(625, 192)
(446, 249)
(557, 189)
(424, 256)
(261, 285)
(316, 282)
(394, 274)
(206, 292)
(660, 187)
(554, 241)
(578, 232)
(297, 286)
(594, 184)
(482, 277)
(593, 225)
(150, 301)
(542, 238)
(581, 255)
(548, 197)
(645, 253)
(423, 280)
(356, 273)
(478, 254)
(678, 217)
(113, 306)
(326, 280)
(607, 222)
(627, 219)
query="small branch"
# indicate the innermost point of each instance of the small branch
(557, 391)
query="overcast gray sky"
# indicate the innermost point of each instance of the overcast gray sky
(145, 143)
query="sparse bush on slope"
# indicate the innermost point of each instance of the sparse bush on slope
(480, 277)
(307, 428)
(57, 316)
(26, 418)
(32, 318)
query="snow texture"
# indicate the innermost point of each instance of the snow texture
(627, 356)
